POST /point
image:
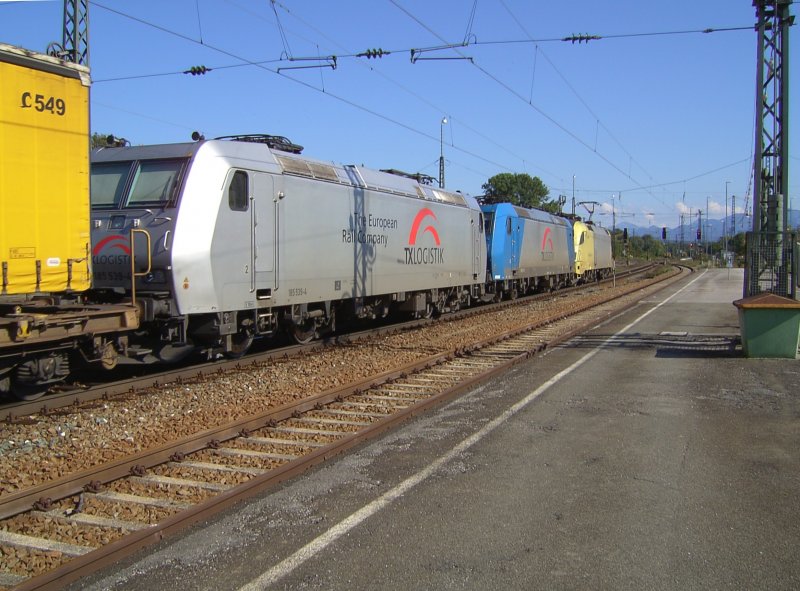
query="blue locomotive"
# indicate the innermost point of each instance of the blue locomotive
(528, 250)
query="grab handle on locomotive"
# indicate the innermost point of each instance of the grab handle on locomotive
(134, 274)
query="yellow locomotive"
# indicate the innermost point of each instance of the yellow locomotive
(593, 256)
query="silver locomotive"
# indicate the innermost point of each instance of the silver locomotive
(221, 241)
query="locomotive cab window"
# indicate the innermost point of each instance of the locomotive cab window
(115, 185)
(155, 182)
(108, 183)
(488, 222)
(237, 191)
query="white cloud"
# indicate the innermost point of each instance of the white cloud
(716, 208)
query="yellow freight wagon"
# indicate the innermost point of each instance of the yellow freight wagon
(44, 173)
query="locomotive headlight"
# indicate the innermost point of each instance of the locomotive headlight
(156, 276)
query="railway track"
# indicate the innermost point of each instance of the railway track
(68, 395)
(58, 531)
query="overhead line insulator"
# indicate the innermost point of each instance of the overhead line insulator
(373, 53)
(197, 70)
(582, 38)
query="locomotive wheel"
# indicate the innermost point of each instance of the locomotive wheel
(175, 353)
(240, 344)
(426, 314)
(29, 392)
(303, 333)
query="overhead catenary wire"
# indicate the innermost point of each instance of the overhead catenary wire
(199, 21)
(516, 94)
(470, 22)
(418, 96)
(572, 89)
(246, 62)
(307, 85)
(287, 50)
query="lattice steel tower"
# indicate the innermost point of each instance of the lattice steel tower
(770, 266)
(75, 37)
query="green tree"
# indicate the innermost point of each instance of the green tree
(98, 140)
(520, 189)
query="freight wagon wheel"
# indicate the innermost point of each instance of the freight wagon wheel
(34, 376)
(21, 392)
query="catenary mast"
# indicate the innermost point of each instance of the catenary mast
(770, 247)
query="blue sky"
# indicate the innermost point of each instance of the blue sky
(655, 124)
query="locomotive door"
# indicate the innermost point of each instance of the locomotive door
(242, 248)
(513, 242)
(230, 246)
(478, 248)
(262, 228)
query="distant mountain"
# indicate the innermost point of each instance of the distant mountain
(712, 230)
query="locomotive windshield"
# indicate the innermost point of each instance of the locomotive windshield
(117, 185)
(488, 222)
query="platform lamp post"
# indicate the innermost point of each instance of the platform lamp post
(441, 152)
(725, 223)
(709, 245)
(613, 228)
(573, 195)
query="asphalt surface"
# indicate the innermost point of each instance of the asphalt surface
(646, 454)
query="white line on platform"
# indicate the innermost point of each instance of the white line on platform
(318, 544)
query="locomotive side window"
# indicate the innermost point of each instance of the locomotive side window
(155, 182)
(237, 191)
(508, 225)
(108, 183)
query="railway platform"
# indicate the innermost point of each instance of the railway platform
(645, 453)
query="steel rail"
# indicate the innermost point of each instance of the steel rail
(104, 555)
(20, 501)
(18, 411)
